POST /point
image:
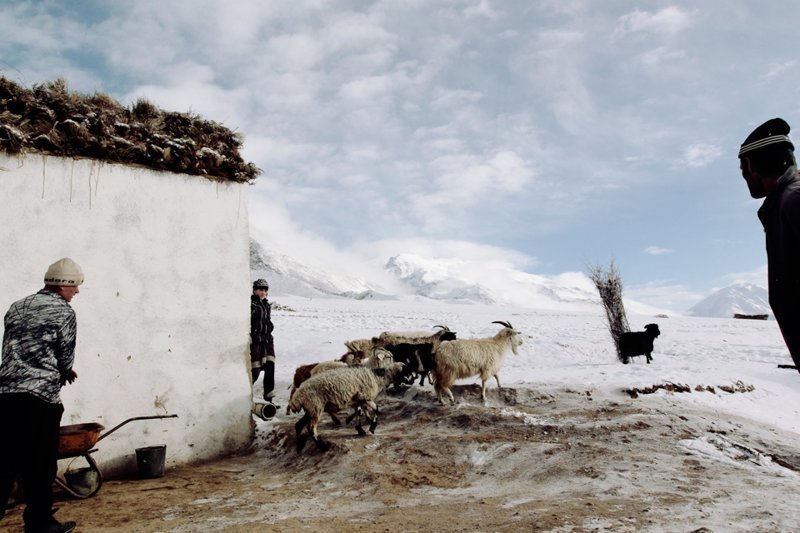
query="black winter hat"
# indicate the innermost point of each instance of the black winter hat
(771, 132)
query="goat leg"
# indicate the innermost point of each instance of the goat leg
(298, 428)
(312, 428)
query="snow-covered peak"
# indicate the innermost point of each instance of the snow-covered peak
(739, 298)
(288, 276)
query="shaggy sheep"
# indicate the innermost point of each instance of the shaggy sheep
(336, 389)
(633, 343)
(378, 358)
(473, 357)
(303, 372)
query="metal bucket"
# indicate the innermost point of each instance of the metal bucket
(151, 460)
(84, 481)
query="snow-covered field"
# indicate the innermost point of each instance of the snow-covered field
(567, 349)
(564, 448)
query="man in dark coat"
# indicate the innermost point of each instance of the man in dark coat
(768, 166)
(262, 349)
(38, 352)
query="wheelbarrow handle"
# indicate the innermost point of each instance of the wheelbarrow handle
(112, 430)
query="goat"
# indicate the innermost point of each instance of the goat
(336, 389)
(358, 350)
(415, 350)
(465, 358)
(633, 343)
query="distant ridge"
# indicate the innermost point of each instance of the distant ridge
(291, 277)
(450, 280)
(736, 299)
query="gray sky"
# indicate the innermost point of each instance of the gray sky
(546, 135)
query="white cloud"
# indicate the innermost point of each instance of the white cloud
(756, 277)
(657, 57)
(449, 99)
(657, 250)
(701, 154)
(459, 251)
(664, 295)
(293, 52)
(272, 225)
(777, 70)
(667, 21)
(364, 90)
(467, 180)
(481, 9)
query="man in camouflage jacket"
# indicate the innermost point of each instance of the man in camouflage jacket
(38, 353)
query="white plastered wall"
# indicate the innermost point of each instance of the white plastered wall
(163, 316)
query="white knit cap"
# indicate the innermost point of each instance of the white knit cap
(64, 272)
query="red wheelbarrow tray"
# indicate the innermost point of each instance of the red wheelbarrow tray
(78, 439)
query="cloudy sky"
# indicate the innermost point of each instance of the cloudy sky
(549, 135)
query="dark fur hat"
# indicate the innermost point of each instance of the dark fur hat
(773, 131)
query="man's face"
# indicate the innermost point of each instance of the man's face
(68, 292)
(261, 293)
(754, 182)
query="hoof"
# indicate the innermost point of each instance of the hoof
(300, 444)
(323, 446)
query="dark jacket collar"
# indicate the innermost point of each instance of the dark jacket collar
(788, 177)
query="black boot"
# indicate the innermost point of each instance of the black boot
(50, 525)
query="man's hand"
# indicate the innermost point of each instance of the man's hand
(72, 376)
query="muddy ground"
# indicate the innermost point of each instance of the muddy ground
(557, 460)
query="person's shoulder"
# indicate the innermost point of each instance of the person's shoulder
(792, 191)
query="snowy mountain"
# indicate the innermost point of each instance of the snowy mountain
(741, 298)
(289, 276)
(407, 276)
(456, 280)
(444, 279)
(434, 279)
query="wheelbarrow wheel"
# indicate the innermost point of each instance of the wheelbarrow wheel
(82, 482)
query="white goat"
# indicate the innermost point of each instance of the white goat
(465, 358)
(336, 389)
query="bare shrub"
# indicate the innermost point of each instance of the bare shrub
(609, 285)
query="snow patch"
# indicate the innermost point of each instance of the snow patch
(719, 448)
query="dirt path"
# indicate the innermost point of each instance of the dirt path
(535, 461)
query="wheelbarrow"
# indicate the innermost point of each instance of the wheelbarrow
(77, 441)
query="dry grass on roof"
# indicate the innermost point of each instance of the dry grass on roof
(52, 120)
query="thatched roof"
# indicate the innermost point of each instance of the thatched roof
(52, 120)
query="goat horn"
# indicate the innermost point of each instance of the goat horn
(443, 327)
(504, 324)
